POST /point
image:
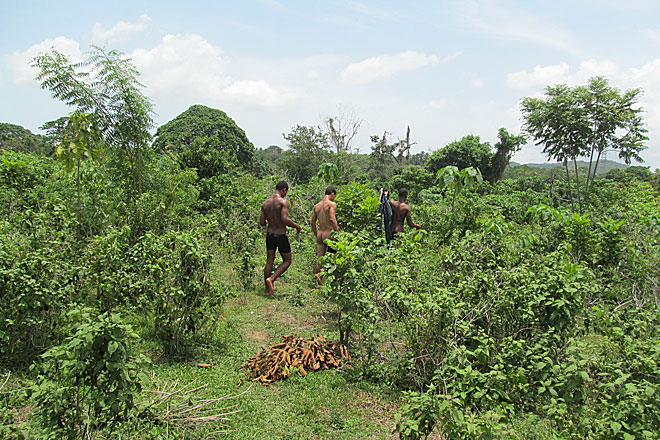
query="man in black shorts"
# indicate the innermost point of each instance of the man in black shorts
(275, 213)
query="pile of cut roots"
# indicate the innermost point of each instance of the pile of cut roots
(296, 355)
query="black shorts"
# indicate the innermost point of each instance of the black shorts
(278, 241)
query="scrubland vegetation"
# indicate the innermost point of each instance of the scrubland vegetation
(526, 307)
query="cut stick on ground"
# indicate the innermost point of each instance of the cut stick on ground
(183, 406)
(296, 355)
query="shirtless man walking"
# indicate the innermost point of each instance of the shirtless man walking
(400, 212)
(324, 212)
(275, 213)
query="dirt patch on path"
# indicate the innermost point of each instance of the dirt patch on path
(259, 336)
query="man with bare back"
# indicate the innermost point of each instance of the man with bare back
(275, 213)
(402, 212)
(324, 212)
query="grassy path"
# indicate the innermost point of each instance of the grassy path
(326, 404)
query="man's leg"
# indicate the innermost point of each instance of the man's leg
(320, 251)
(284, 247)
(270, 259)
(286, 262)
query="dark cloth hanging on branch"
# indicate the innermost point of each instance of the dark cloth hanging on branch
(385, 215)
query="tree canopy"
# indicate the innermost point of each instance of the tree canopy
(308, 148)
(469, 151)
(16, 138)
(586, 121)
(206, 139)
(105, 85)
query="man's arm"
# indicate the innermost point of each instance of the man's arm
(314, 221)
(409, 220)
(285, 217)
(333, 218)
(262, 217)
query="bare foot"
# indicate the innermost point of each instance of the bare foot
(270, 289)
(318, 279)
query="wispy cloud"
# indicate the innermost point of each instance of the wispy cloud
(438, 104)
(628, 5)
(371, 11)
(651, 34)
(371, 69)
(497, 20)
(121, 31)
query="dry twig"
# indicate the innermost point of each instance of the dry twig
(181, 406)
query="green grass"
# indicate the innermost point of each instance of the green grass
(325, 404)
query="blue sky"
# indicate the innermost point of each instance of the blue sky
(445, 68)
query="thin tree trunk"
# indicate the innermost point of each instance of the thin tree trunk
(568, 181)
(596, 167)
(139, 171)
(78, 234)
(589, 176)
(131, 160)
(552, 184)
(577, 185)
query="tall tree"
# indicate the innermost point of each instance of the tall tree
(403, 148)
(467, 152)
(340, 129)
(615, 122)
(206, 139)
(585, 121)
(381, 160)
(16, 138)
(81, 139)
(308, 148)
(106, 84)
(506, 146)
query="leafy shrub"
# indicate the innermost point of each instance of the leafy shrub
(32, 293)
(165, 276)
(90, 380)
(357, 208)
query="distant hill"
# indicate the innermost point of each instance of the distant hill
(603, 166)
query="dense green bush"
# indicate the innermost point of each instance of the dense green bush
(522, 311)
(165, 277)
(90, 379)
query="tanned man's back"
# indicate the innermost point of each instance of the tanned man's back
(324, 213)
(402, 212)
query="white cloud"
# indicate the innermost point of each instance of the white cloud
(540, 76)
(382, 66)
(190, 66)
(121, 31)
(497, 20)
(20, 62)
(258, 94)
(477, 83)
